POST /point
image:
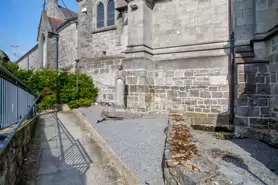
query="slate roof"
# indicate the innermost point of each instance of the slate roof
(55, 23)
(67, 13)
(4, 56)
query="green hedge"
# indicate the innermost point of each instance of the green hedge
(57, 88)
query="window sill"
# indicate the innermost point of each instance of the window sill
(98, 30)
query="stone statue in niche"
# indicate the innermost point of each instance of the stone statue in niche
(120, 87)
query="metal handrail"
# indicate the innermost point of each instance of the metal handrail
(7, 75)
(9, 137)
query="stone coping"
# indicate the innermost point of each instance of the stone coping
(184, 163)
(120, 166)
(104, 29)
(8, 130)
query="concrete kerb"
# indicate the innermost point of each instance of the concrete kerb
(119, 165)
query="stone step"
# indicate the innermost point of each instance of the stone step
(213, 128)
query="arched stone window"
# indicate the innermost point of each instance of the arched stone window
(110, 13)
(100, 15)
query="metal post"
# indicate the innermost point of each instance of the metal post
(77, 75)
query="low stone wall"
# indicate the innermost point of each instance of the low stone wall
(196, 157)
(12, 158)
(184, 164)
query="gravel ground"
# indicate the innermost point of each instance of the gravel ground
(138, 142)
(259, 163)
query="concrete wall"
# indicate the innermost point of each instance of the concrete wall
(68, 47)
(179, 22)
(12, 158)
(33, 59)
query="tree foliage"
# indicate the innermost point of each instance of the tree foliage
(57, 88)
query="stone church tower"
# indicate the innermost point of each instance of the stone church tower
(54, 11)
(55, 21)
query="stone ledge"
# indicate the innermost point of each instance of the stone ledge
(264, 36)
(120, 166)
(99, 30)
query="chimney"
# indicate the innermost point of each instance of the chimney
(53, 10)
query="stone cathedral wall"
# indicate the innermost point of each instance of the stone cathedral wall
(179, 22)
(256, 50)
(187, 86)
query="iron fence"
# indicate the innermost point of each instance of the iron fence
(15, 99)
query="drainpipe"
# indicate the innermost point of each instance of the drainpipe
(231, 63)
(77, 76)
(57, 51)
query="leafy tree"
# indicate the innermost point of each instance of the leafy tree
(57, 88)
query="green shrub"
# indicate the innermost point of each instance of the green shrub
(80, 103)
(74, 104)
(47, 102)
(85, 102)
(57, 88)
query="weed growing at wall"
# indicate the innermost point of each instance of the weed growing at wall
(57, 88)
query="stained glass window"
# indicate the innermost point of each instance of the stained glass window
(100, 15)
(110, 13)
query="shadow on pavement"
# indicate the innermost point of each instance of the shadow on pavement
(62, 159)
(260, 151)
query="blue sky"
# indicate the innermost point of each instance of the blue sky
(19, 24)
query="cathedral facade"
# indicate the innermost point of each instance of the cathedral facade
(213, 59)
